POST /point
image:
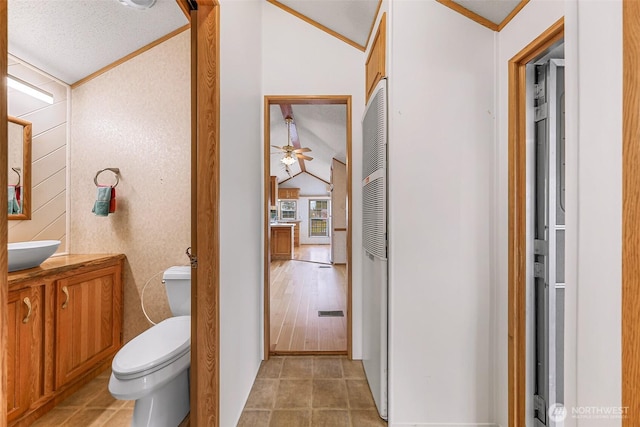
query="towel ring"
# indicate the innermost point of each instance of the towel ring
(17, 171)
(116, 172)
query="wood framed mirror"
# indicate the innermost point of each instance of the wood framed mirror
(19, 169)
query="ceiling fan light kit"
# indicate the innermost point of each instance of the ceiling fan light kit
(291, 153)
(288, 159)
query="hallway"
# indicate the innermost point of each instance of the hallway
(313, 391)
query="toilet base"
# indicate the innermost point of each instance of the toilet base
(166, 407)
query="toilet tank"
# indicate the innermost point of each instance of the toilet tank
(177, 282)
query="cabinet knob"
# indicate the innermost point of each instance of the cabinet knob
(27, 302)
(66, 294)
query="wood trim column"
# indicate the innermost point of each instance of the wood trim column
(349, 232)
(3, 212)
(517, 245)
(205, 304)
(631, 212)
(266, 296)
(517, 287)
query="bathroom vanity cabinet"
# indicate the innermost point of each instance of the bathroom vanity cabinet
(65, 325)
(26, 348)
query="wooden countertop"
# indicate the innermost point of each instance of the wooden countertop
(61, 264)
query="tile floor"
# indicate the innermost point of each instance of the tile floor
(92, 406)
(301, 391)
(289, 391)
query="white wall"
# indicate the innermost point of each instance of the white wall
(441, 140)
(532, 21)
(592, 341)
(299, 59)
(338, 212)
(240, 204)
(596, 178)
(308, 185)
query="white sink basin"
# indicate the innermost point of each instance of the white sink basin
(23, 255)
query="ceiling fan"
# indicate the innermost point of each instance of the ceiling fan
(291, 153)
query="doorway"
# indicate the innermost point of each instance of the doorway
(533, 350)
(307, 277)
(547, 219)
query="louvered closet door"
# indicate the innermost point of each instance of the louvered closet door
(374, 236)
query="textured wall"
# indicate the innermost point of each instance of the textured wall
(136, 117)
(49, 156)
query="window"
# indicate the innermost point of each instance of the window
(288, 209)
(318, 218)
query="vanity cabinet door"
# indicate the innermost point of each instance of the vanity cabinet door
(88, 321)
(26, 344)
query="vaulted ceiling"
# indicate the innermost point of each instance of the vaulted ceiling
(74, 39)
(322, 128)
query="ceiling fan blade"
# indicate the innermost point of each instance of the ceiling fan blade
(302, 150)
(279, 148)
(302, 156)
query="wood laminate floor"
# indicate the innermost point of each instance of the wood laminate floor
(299, 290)
(313, 253)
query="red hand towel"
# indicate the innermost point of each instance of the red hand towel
(112, 202)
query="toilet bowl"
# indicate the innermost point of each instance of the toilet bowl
(153, 368)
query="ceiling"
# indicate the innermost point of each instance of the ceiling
(352, 19)
(84, 36)
(71, 39)
(322, 128)
(495, 11)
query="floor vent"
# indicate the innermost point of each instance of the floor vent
(334, 313)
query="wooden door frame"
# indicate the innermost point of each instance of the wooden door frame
(4, 289)
(517, 348)
(303, 99)
(205, 217)
(630, 207)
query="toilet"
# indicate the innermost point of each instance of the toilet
(153, 368)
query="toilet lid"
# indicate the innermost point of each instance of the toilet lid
(154, 348)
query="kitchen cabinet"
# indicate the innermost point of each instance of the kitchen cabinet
(26, 316)
(288, 193)
(282, 241)
(376, 65)
(88, 320)
(273, 194)
(56, 344)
